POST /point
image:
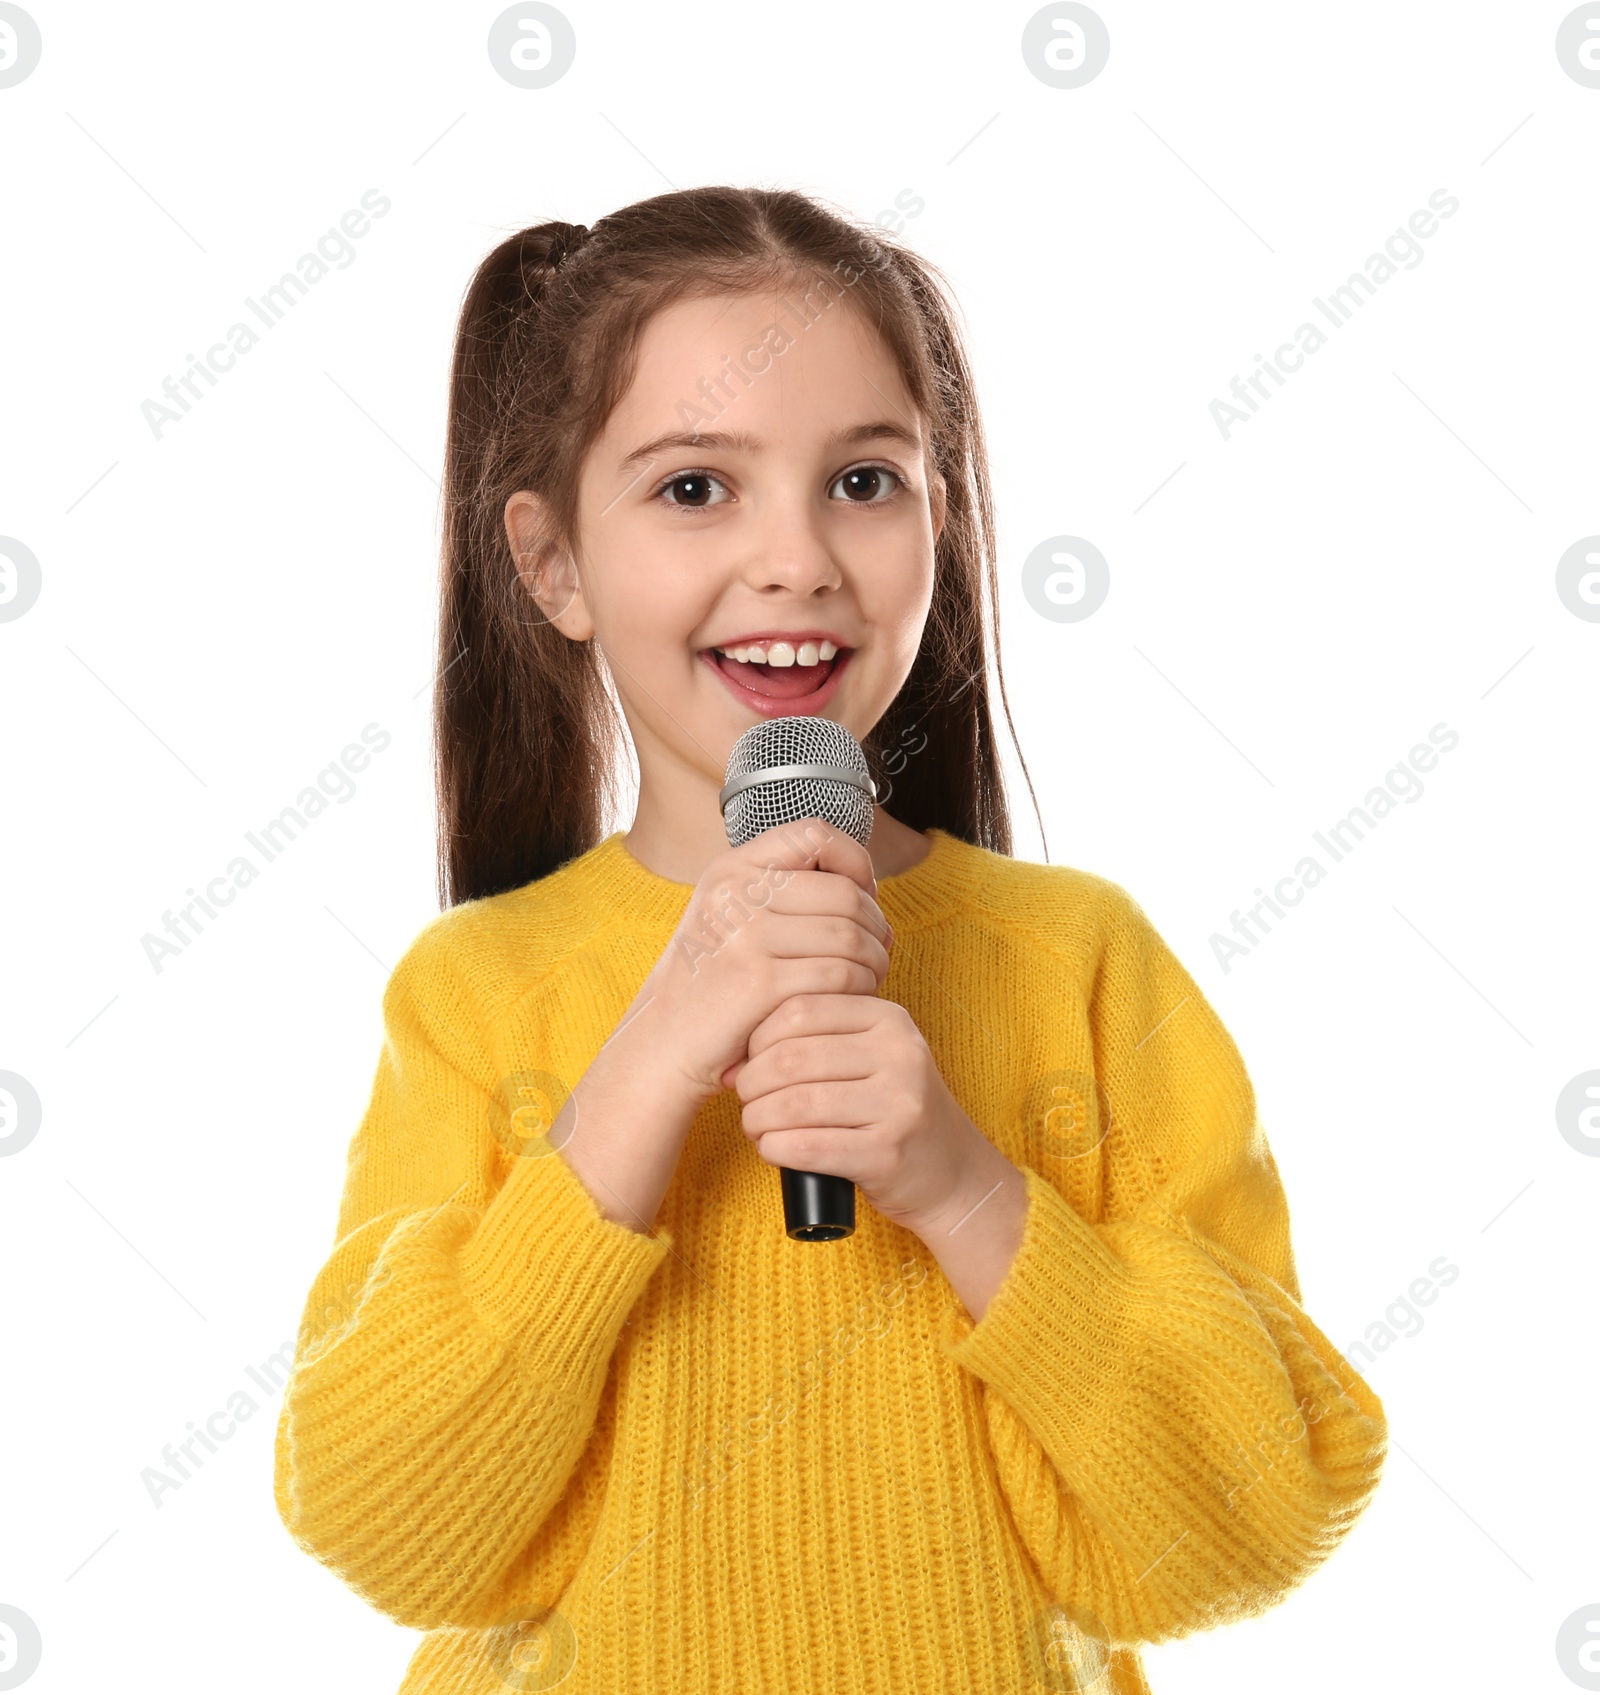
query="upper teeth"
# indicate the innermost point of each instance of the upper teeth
(780, 653)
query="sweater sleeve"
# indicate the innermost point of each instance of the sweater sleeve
(455, 1344)
(1178, 1443)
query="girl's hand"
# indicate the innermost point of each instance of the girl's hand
(791, 912)
(845, 1084)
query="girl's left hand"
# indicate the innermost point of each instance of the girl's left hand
(846, 1085)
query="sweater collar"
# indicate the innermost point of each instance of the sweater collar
(623, 887)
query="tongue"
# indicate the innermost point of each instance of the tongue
(777, 682)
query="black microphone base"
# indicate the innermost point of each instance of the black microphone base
(817, 1206)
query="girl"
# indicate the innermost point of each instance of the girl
(566, 1397)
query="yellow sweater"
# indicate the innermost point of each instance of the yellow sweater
(715, 1459)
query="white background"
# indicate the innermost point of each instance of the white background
(225, 607)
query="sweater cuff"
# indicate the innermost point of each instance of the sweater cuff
(1060, 1317)
(550, 1272)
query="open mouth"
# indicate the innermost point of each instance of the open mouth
(777, 689)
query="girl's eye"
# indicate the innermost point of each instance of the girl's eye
(861, 481)
(697, 487)
(864, 485)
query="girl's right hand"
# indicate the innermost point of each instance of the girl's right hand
(791, 912)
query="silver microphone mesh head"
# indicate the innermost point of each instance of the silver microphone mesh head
(838, 790)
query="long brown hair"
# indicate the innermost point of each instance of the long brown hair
(527, 729)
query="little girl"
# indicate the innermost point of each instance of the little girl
(566, 1396)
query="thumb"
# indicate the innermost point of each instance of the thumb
(731, 1073)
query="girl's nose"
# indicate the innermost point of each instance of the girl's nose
(791, 553)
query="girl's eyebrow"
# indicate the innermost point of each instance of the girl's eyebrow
(742, 442)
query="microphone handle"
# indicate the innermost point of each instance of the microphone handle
(817, 1206)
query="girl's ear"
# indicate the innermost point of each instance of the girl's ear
(936, 492)
(544, 568)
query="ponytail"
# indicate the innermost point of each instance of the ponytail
(527, 732)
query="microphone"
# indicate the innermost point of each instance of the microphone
(780, 771)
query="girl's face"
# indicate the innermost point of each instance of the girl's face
(748, 548)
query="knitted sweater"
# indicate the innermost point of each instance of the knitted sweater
(712, 1459)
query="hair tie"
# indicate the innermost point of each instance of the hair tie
(571, 238)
